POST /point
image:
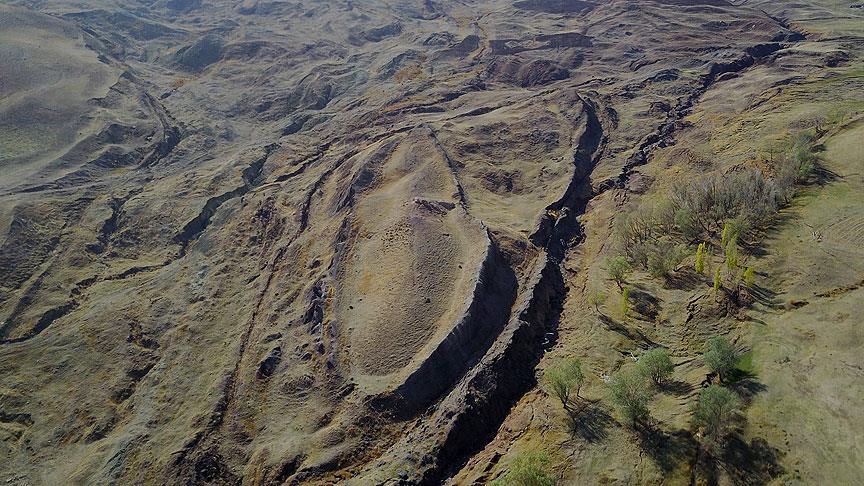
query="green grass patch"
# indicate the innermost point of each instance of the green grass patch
(745, 363)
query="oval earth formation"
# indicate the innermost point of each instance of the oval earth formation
(320, 242)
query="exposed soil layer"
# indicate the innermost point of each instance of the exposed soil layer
(331, 241)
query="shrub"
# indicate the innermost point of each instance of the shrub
(625, 302)
(720, 356)
(635, 231)
(618, 268)
(717, 279)
(564, 380)
(664, 257)
(705, 207)
(749, 279)
(657, 365)
(725, 235)
(800, 154)
(597, 298)
(629, 392)
(528, 469)
(700, 259)
(687, 224)
(732, 253)
(715, 413)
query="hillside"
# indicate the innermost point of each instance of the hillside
(320, 242)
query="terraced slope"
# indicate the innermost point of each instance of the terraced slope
(318, 241)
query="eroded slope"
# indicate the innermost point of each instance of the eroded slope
(313, 241)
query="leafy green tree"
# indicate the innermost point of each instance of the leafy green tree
(720, 356)
(715, 413)
(630, 391)
(732, 253)
(596, 299)
(528, 469)
(657, 365)
(700, 258)
(564, 380)
(725, 234)
(618, 268)
(717, 279)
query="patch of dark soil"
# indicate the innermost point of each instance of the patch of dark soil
(269, 364)
(43, 323)
(180, 5)
(686, 279)
(515, 71)
(31, 239)
(210, 469)
(199, 223)
(502, 181)
(461, 49)
(201, 53)
(634, 334)
(503, 47)
(398, 62)
(645, 304)
(109, 226)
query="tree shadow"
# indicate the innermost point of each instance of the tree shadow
(763, 295)
(747, 387)
(758, 246)
(686, 279)
(666, 449)
(756, 462)
(634, 335)
(590, 423)
(676, 387)
(823, 176)
(644, 303)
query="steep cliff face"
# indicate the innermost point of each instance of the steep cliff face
(286, 242)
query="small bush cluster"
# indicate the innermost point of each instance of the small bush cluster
(740, 201)
(630, 391)
(717, 408)
(720, 356)
(715, 413)
(657, 365)
(528, 469)
(724, 211)
(564, 380)
(633, 386)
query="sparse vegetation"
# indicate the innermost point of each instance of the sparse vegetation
(732, 253)
(625, 303)
(749, 278)
(597, 298)
(657, 365)
(618, 268)
(630, 391)
(715, 413)
(564, 380)
(720, 356)
(528, 469)
(700, 259)
(664, 258)
(724, 236)
(716, 205)
(732, 207)
(717, 282)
